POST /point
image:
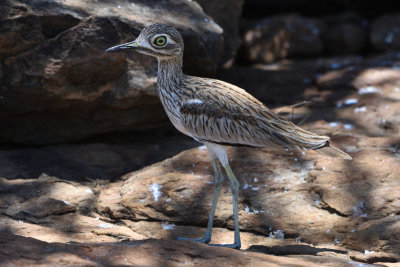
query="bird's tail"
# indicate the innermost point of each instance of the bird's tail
(331, 151)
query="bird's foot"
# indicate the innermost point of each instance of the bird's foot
(204, 240)
(234, 245)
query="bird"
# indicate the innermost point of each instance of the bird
(217, 114)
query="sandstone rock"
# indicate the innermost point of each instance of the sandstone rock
(366, 107)
(57, 84)
(278, 189)
(304, 209)
(29, 197)
(23, 251)
(385, 32)
(70, 227)
(284, 36)
(288, 195)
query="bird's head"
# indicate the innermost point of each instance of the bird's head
(158, 40)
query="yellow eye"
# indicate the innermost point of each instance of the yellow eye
(160, 41)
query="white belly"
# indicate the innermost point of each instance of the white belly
(175, 118)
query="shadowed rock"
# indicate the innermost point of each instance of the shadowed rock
(57, 85)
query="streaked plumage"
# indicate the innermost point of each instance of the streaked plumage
(218, 113)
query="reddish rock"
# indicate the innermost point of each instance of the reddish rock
(277, 189)
(306, 209)
(23, 251)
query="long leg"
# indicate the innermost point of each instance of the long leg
(220, 152)
(218, 181)
(235, 196)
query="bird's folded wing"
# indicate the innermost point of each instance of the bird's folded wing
(234, 120)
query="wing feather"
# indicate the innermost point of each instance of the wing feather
(233, 121)
(218, 112)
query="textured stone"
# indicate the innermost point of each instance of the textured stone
(57, 85)
(277, 189)
(23, 251)
(29, 197)
(106, 158)
(227, 14)
(284, 36)
(306, 209)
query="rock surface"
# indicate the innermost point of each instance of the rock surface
(277, 37)
(282, 194)
(227, 14)
(385, 32)
(146, 253)
(89, 208)
(104, 158)
(57, 85)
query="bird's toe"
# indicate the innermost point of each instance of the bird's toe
(204, 240)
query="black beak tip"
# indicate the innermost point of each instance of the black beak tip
(121, 47)
(111, 49)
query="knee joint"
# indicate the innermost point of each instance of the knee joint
(235, 185)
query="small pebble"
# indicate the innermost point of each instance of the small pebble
(368, 90)
(348, 126)
(360, 109)
(351, 101)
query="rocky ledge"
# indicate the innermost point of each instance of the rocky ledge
(101, 207)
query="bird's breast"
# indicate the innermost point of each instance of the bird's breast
(171, 102)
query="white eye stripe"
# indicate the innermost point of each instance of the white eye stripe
(145, 44)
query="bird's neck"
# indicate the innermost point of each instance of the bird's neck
(169, 72)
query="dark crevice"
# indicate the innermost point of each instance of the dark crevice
(325, 206)
(328, 208)
(374, 259)
(54, 25)
(286, 250)
(216, 224)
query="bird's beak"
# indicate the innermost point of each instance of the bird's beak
(117, 48)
